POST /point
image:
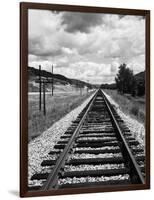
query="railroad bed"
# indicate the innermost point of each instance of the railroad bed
(97, 149)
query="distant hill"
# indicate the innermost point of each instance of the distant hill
(140, 77)
(33, 75)
(140, 80)
(109, 86)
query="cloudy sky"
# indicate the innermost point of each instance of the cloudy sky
(86, 46)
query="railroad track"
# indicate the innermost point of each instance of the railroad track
(98, 149)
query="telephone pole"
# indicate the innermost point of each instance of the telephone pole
(40, 85)
(52, 80)
(44, 103)
(87, 86)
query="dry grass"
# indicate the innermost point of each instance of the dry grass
(133, 106)
(56, 107)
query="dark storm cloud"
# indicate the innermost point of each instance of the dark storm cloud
(81, 22)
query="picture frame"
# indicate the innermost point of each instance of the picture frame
(24, 8)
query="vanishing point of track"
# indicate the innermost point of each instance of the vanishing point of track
(98, 149)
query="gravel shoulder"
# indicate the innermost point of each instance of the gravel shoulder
(39, 148)
(137, 129)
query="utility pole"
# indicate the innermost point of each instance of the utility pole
(40, 87)
(87, 86)
(80, 90)
(52, 80)
(44, 106)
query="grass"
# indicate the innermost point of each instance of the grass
(133, 106)
(57, 106)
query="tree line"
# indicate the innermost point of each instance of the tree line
(126, 82)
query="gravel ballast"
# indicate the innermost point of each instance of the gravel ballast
(97, 148)
(86, 155)
(92, 179)
(39, 148)
(70, 168)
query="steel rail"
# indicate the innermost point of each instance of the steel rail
(53, 177)
(136, 175)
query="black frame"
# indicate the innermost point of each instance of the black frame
(24, 97)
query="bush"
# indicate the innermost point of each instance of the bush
(135, 110)
(140, 90)
(133, 93)
(142, 115)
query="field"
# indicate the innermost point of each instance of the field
(133, 106)
(56, 107)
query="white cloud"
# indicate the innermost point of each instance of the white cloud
(92, 52)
